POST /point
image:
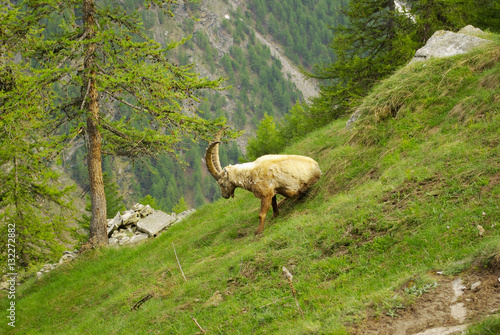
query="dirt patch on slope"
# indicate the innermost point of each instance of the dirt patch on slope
(448, 309)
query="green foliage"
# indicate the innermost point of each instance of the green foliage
(432, 15)
(266, 141)
(181, 206)
(86, 57)
(295, 124)
(302, 27)
(489, 326)
(375, 41)
(149, 200)
(114, 201)
(166, 180)
(34, 206)
(274, 138)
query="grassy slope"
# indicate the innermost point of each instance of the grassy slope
(401, 195)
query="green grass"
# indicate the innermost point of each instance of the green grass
(401, 195)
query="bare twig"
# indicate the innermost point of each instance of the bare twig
(140, 302)
(123, 101)
(175, 279)
(201, 329)
(180, 267)
(289, 276)
(85, 96)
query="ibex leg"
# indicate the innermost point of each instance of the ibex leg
(275, 207)
(265, 204)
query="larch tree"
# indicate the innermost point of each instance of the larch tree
(33, 205)
(113, 85)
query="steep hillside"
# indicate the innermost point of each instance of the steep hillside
(408, 202)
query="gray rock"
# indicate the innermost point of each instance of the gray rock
(475, 286)
(67, 258)
(123, 240)
(119, 234)
(130, 217)
(115, 223)
(137, 238)
(446, 43)
(471, 30)
(155, 222)
(182, 215)
(146, 210)
(138, 207)
(354, 117)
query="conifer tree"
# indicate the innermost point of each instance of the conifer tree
(100, 60)
(181, 206)
(265, 141)
(376, 40)
(33, 207)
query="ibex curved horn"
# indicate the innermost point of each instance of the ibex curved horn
(212, 160)
(212, 157)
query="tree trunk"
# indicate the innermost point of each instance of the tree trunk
(98, 229)
(390, 22)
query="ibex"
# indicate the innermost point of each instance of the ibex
(269, 175)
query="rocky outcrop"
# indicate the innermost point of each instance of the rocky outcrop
(133, 226)
(140, 223)
(308, 87)
(155, 222)
(446, 43)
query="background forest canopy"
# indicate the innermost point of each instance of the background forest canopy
(347, 45)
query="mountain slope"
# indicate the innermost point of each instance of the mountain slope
(401, 197)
